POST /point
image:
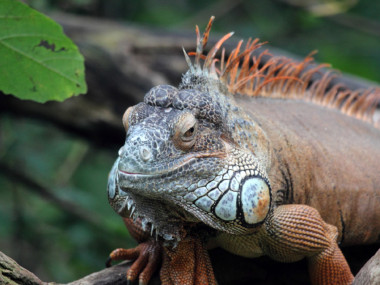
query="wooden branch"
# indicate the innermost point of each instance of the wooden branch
(11, 273)
(110, 276)
(370, 273)
(228, 268)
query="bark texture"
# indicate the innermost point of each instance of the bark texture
(370, 273)
(11, 273)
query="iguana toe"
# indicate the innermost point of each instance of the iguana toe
(146, 256)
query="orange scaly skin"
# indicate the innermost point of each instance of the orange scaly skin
(258, 158)
(187, 264)
(296, 231)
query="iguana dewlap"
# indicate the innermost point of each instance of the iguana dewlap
(250, 157)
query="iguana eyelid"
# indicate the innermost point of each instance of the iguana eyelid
(182, 129)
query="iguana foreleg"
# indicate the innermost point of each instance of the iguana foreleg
(293, 232)
(188, 263)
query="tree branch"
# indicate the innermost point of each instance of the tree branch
(229, 269)
(11, 273)
(370, 273)
(110, 276)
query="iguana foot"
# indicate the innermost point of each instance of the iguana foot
(146, 256)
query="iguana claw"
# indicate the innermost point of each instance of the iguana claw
(146, 256)
(108, 262)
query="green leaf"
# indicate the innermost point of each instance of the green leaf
(37, 61)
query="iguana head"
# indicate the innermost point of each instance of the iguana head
(187, 159)
(180, 163)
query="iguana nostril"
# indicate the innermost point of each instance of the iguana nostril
(145, 153)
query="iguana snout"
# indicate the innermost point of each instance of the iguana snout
(141, 150)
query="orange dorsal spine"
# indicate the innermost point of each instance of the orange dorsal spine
(281, 77)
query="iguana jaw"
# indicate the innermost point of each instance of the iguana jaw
(154, 216)
(233, 196)
(188, 159)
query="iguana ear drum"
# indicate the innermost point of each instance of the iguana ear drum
(254, 200)
(245, 201)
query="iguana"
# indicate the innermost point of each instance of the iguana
(257, 158)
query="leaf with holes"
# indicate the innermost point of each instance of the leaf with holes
(37, 61)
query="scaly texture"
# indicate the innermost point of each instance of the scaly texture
(187, 264)
(268, 174)
(330, 267)
(292, 232)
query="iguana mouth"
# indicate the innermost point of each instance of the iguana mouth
(183, 162)
(135, 174)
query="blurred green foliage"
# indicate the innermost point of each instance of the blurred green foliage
(51, 242)
(59, 246)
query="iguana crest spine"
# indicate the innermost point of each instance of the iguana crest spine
(279, 77)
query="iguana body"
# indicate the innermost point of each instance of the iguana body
(269, 175)
(323, 159)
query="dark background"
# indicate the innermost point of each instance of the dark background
(66, 240)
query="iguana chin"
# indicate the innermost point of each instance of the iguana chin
(286, 173)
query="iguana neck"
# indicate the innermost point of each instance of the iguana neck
(249, 135)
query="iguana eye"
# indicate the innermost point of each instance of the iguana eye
(185, 132)
(126, 118)
(189, 133)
